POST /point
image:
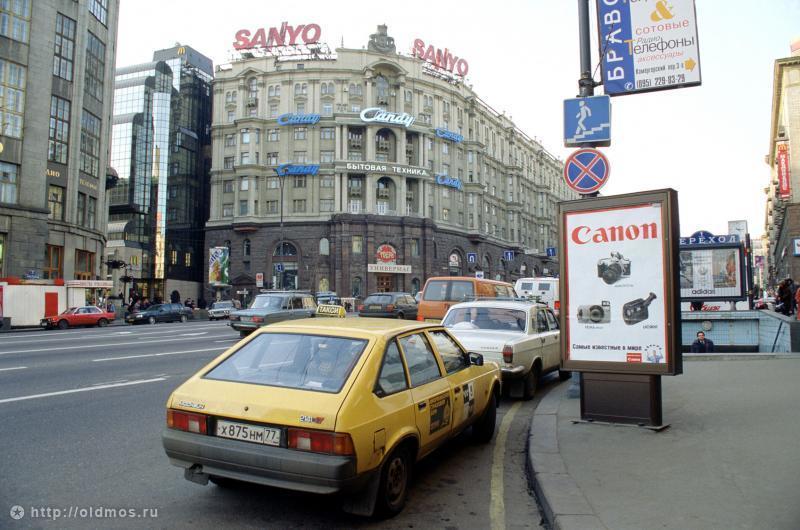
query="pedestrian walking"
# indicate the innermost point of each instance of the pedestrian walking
(702, 344)
(783, 298)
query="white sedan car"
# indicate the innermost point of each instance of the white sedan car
(522, 337)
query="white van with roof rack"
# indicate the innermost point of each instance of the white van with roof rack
(544, 290)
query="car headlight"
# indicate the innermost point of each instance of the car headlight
(138, 316)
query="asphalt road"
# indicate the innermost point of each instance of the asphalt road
(81, 412)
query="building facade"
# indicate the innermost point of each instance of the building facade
(161, 149)
(56, 70)
(366, 170)
(782, 223)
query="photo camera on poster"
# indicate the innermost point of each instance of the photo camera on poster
(613, 269)
(636, 311)
(595, 314)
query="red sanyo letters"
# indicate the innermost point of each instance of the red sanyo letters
(286, 35)
(583, 234)
(440, 58)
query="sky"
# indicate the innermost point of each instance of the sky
(707, 142)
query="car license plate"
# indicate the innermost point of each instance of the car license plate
(374, 307)
(248, 433)
(246, 319)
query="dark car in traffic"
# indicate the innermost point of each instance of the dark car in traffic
(160, 313)
(271, 307)
(389, 305)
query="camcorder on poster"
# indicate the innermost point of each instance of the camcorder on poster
(619, 289)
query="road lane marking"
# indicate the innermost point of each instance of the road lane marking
(104, 359)
(193, 334)
(76, 390)
(95, 336)
(497, 512)
(14, 368)
(227, 340)
(85, 346)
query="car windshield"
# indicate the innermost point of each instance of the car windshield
(267, 302)
(221, 305)
(493, 318)
(307, 362)
(378, 299)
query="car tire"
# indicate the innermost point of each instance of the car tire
(393, 487)
(184, 318)
(63, 324)
(244, 334)
(151, 320)
(531, 383)
(102, 322)
(483, 430)
(564, 375)
(401, 316)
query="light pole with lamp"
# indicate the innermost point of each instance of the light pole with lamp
(280, 173)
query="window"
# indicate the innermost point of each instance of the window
(299, 181)
(356, 91)
(551, 319)
(15, 19)
(8, 182)
(452, 356)
(300, 108)
(445, 148)
(252, 87)
(415, 246)
(326, 133)
(356, 287)
(64, 53)
(327, 89)
(81, 213)
(408, 96)
(228, 162)
(327, 109)
(59, 130)
(326, 157)
(326, 205)
(393, 376)
(243, 207)
(53, 262)
(422, 366)
(299, 205)
(300, 157)
(300, 133)
(173, 257)
(244, 158)
(227, 210)
(91, 213)
(12, 98)
(244, 184)
(231, 116)
(355, 108)
(445, 214)
(324, 249)
(326, 181)
(273, 183)
(187, 259)
(272, 159)
(55, 198)
(99, 8)
(273, 110)
(95, 67)
(84, 265)
(90, 144)
(274, 135)
(245, 136)
(358, 244)
(230, 140)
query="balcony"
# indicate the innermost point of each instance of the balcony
(252, 102)
(409, 195)
(382, 193)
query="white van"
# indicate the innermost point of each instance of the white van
(543, 289)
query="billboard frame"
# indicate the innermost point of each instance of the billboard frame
(742, 273)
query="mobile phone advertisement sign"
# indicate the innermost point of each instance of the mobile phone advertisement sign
(620, 306)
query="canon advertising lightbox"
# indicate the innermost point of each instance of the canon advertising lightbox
(620, 303)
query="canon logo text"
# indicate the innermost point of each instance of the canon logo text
(583, 234)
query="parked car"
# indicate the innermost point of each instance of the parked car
(389, 305)
(522, 337)
(271, 307)
(544, 290)
(160, 313)
(442, 292)
(331, 405)
(79, 316)
(220, 309)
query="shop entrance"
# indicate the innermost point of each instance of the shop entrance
(385, 283)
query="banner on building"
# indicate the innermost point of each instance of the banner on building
(219, 266)
(784, 175)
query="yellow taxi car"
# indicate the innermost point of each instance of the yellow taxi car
(331, 405)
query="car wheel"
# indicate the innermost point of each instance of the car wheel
(483, 430)
(393, 488)
(63, 324)
(211, 319)
(243, 334)
(531, 383)
(102, 322)
(564, 375)
(184, 318)
(401, 316)
(151, 320)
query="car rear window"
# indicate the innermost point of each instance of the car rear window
(267, 302)
(305, 362)
(379, 299)
(221, 305)
(448, 290)
(544, 286)
(492, 318)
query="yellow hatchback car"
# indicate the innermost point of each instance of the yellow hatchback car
(329, 406)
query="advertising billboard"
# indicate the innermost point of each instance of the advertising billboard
(648, 46)
(712, 273)
(619, 299)
(784, 175)
(218, 266)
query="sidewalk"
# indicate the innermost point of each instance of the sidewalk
(730, 458)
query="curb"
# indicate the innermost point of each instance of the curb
(564, 506)
(738, 356)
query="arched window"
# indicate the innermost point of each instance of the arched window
(252, 87)
(297, 88)
(357, 287)
(385, 143)
(487, 263)
(454, 264)
(305, 89)
(382, 90)
(324, 247)
(414, 286)
(285, 249)
(331, 90)
(246, 247)
(324, 89)
(271, 91)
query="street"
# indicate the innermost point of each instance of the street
(81, 414)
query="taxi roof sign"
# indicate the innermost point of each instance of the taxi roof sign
(330, 310)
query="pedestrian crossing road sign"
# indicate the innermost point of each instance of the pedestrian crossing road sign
(587, 121)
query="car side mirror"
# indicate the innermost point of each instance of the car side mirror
(476, 359)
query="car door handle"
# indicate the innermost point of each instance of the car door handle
(421, 406)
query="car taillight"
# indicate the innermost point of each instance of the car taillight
(420, 318)
(361, 308)
(332, 443)
(258, 319)
(390, 307)
(187, 421)
(557, 305)
(508, 354)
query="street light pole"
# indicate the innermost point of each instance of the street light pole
(280, 244)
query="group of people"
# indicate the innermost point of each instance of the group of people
(787, 297)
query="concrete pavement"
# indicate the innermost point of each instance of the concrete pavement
(730, 458)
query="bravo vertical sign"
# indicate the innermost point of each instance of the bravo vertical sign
(648, 45)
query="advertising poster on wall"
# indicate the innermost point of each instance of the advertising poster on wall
(712, 273)
(218, 266)
(619, 288)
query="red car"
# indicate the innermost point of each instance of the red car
(79, 316)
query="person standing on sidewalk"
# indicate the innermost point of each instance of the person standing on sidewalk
(702, 344)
